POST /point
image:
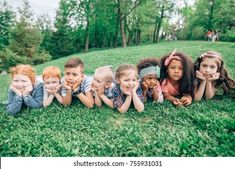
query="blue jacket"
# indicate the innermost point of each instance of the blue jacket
(34, 100)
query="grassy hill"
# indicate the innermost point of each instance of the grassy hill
(205, 128)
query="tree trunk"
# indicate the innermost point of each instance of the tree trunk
(160, 22)
(87, 36)
(155, 29)
(211, 15)
(121, 22)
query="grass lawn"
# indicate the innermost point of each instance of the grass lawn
(205, 128)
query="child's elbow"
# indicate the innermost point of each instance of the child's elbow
(140, 110)
(12, 111)
(90, 105)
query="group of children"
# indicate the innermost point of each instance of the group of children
(174, 77)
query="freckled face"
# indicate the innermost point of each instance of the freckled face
(175, 70)
(51, 83)
(20, 82)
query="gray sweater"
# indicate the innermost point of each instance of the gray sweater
(16, 102)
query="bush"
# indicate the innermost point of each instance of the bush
(228, 36)
(40, 58)
(9, 59)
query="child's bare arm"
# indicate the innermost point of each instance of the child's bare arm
(210, 90)
(58, 97)
(67, 100)
(48, 100)
(126, 104)
(107, 101)
(98, 101)
(200, 91)
(86, 99)
(139, 105)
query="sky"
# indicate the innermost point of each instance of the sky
(39, 7)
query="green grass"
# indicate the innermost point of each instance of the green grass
(205, 128)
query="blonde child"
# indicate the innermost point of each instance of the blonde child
(24, 90)
(76, 84)
(102, 86)
(149, 73)
(177, 78)
(51, 78)
(127, 89)
(210, 74)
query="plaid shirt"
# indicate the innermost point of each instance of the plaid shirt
(119, 97)
(149, 95)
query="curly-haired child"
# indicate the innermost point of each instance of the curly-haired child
(149, 73)
(177, 78)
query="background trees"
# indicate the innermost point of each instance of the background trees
(85, 24)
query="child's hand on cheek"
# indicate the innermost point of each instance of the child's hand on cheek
(156, 85)
(144, 86)
(200, 76)
(66, 85)
(77, 83)
(16, 91)
(186, 100)
(125, 91)
(214, 77)
(58, 88)
(28, 89)
(100, 90)
(50, 91)
(177, 102)
(136, 87)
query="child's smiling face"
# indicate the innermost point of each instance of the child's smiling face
(175, 70)
(128, 81)
(20, 82)
(208, 66)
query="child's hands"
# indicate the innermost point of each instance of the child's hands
(144, 87)
(16, 91)
(200, 76)
(126, 92)
(100, 90)
(177, 102)
(77, 83)
(136, 87)
(58, 88)
(186, 100)
(66, 85)
(51, 92)
(28, 89)
(214, 77)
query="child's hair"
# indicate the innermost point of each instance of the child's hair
(26, 70)
(122, 68)
(107, 73)
(186, 82)
(148, 62)
(224, 80)
(73, 63)
(51, 71)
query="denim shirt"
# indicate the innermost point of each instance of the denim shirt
(16, 102)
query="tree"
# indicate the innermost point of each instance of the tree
(7, 19)
(25, 37)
